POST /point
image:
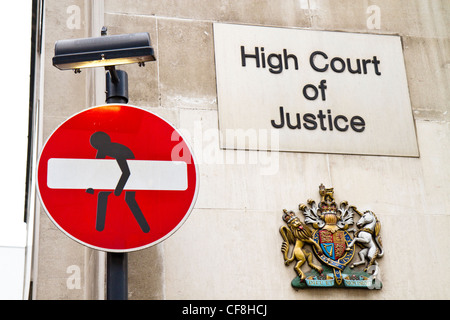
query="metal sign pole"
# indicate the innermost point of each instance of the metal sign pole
(116, 263)
(117, 276)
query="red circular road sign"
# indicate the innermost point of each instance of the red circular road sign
(117, 178)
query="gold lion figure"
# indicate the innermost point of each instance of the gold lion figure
(297, 233)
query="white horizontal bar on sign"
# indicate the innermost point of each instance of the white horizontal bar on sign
(105, 173)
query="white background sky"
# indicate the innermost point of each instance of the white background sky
(15, 37)
(15, 30)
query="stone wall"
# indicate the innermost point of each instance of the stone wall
(229, 248)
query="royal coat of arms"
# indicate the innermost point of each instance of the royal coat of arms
(334, 244)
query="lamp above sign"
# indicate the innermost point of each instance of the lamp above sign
(103, 51)
(312, 91)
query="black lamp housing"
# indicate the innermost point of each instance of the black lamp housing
(104, 51)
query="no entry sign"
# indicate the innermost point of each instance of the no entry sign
(117, 178)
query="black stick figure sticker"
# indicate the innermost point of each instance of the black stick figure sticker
(105, 148)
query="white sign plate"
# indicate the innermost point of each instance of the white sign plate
(312, 91)
(105, 173)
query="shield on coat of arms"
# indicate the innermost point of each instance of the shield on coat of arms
(332, 244)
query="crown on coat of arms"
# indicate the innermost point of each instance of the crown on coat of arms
(288, 216)
(327, 205)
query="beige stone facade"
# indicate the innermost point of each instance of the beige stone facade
(229, 248)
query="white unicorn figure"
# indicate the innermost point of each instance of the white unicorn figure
(368, 236)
